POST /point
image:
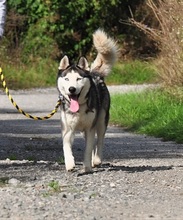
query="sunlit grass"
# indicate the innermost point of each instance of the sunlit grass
(151, 112)
(32, 75)
(132, 72)
(43, 73)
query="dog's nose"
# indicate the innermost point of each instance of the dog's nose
(72, 89)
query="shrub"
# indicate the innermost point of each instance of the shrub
(64, 24)
(70, 24)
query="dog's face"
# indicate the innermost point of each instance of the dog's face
(73, 82)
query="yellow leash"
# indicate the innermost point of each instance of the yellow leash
(19, 109)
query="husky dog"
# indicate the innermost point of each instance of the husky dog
(86, 101)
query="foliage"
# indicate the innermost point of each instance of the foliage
(39, 32)
(152, 112)
(43, 28)
(35, 35)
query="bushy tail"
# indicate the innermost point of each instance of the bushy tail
(107, 53)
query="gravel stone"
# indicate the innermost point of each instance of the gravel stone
(13, 182)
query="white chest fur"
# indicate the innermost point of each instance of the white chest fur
(78, 121)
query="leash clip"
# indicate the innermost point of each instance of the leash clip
(61, 98)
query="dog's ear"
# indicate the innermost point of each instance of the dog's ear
(83, 63)
(64, 63)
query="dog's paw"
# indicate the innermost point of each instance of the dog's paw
(70, 164)
(96, 161)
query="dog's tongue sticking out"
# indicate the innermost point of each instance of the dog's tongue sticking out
(74, 105)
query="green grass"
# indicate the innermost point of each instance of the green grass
(132, 72)
(53, 188)
(43, 73)
(12, 157)
(54, 185)
(60, 160)
(154, 113)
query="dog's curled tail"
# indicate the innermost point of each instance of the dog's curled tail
(107, 53)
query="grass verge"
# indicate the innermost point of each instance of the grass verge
(43, 73)
(132, 72)
(152, 112)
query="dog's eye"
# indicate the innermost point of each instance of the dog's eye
(66, 79)
(78, 79)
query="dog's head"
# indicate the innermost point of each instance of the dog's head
(74, 82)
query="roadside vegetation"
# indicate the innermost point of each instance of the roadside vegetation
(36, 75)
(44, 74)
(158, 112)
(38, 34)
(153, 112)
(133, 72)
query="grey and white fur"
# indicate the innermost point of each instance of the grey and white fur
(86, 101)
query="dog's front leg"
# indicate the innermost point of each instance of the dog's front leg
(90, 141)
(68, 138)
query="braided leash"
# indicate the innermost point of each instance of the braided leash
(19, 109)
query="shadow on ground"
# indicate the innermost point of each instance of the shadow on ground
(41, 140)
(33, 142)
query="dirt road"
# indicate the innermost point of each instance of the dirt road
(141, 178)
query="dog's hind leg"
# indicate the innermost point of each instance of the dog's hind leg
(98, 151)
(90, 141)
(68, 138)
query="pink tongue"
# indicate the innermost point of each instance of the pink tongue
(74, 105)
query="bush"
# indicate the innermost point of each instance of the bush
(37, 43)
(64, 24)
(68, 25)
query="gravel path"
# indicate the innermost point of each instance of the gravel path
(141, 177)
